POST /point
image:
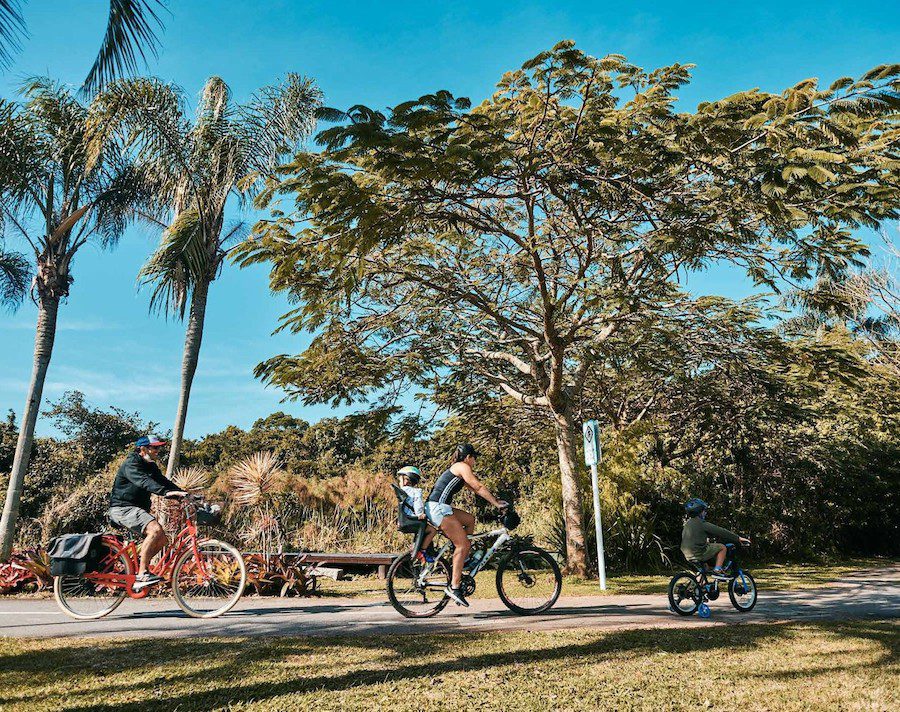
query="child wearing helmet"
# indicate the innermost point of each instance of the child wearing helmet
(695, 544)
(409, 481)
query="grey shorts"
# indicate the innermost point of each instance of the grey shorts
(133, 518)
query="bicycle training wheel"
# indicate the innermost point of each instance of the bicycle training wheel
(529, 581)
(684, 594)
(414, 594)
(82, 596)
(742, 592)
(212, 583)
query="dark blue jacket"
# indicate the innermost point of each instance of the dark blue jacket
(136, 480)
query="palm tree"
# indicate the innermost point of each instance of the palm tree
(227, 151)
(130, 29)
(55, 200)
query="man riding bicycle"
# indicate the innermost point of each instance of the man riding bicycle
(129, 502)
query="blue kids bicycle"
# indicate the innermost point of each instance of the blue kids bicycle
(690, 591)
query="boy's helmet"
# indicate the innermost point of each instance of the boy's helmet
(695, 507)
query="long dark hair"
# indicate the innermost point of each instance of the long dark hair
(462, 451)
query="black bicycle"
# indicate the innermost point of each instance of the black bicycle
(528, 578)
(689, 591)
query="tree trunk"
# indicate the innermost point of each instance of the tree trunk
(43, 350)
(566, 437)
(192, 339)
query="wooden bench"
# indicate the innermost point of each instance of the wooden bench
(382, 561)
(320, 561)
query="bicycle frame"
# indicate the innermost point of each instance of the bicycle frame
(737, 572)
(503, 538)
(186, 539)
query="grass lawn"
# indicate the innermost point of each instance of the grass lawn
(828, 666)
(768, 576)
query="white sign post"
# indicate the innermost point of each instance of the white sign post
(591, 430)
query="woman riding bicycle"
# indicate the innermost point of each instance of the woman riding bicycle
(457, 524)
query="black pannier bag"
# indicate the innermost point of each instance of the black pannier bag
(75, 554)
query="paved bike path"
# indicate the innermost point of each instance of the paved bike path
(872, 594)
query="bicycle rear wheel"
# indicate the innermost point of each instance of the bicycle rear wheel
(684, 594)
(210, 584)
(83, 597)
(529, 581)
(414, 595)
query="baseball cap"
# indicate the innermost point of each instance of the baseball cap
(149, 441)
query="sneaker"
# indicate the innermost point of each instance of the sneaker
(143, 580)
(425, 555)
(719, 573)
(457, 595)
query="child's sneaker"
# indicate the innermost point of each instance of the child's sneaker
(719, 573)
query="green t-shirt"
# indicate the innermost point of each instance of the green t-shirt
(696, 533)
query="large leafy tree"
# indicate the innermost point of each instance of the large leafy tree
(867, 301)
(504, 246)
(196, 165)
(54, 199)
(130, 33)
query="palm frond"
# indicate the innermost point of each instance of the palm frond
(130, 192)
(15, 276)
(276, 121)
(12, 30)
(145, 116)
(130, 33)
(181, 261)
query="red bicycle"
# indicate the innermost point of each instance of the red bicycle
(207, 575)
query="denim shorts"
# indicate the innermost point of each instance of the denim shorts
(436, 511)
(133, 518)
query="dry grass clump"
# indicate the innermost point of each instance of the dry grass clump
(192, 479)
(256, 478)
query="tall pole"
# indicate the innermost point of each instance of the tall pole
(601, 559)
(591, 430)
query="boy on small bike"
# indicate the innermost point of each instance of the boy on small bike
(695, 544)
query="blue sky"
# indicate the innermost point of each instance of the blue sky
(109, 347)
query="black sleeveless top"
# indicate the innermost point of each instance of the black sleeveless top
(445, 488)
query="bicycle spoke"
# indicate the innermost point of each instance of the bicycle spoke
(529, 581)
(417, 592)
(210, 583)
(83, 596)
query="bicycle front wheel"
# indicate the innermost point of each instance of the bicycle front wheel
(87, 596)
(529, 581)
(417, 592)
(211, 583)
(742, 592)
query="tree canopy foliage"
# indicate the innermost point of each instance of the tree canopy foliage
(522, 245)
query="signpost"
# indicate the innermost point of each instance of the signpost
(591, 430)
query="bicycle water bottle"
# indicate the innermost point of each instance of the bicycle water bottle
(475, 558)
